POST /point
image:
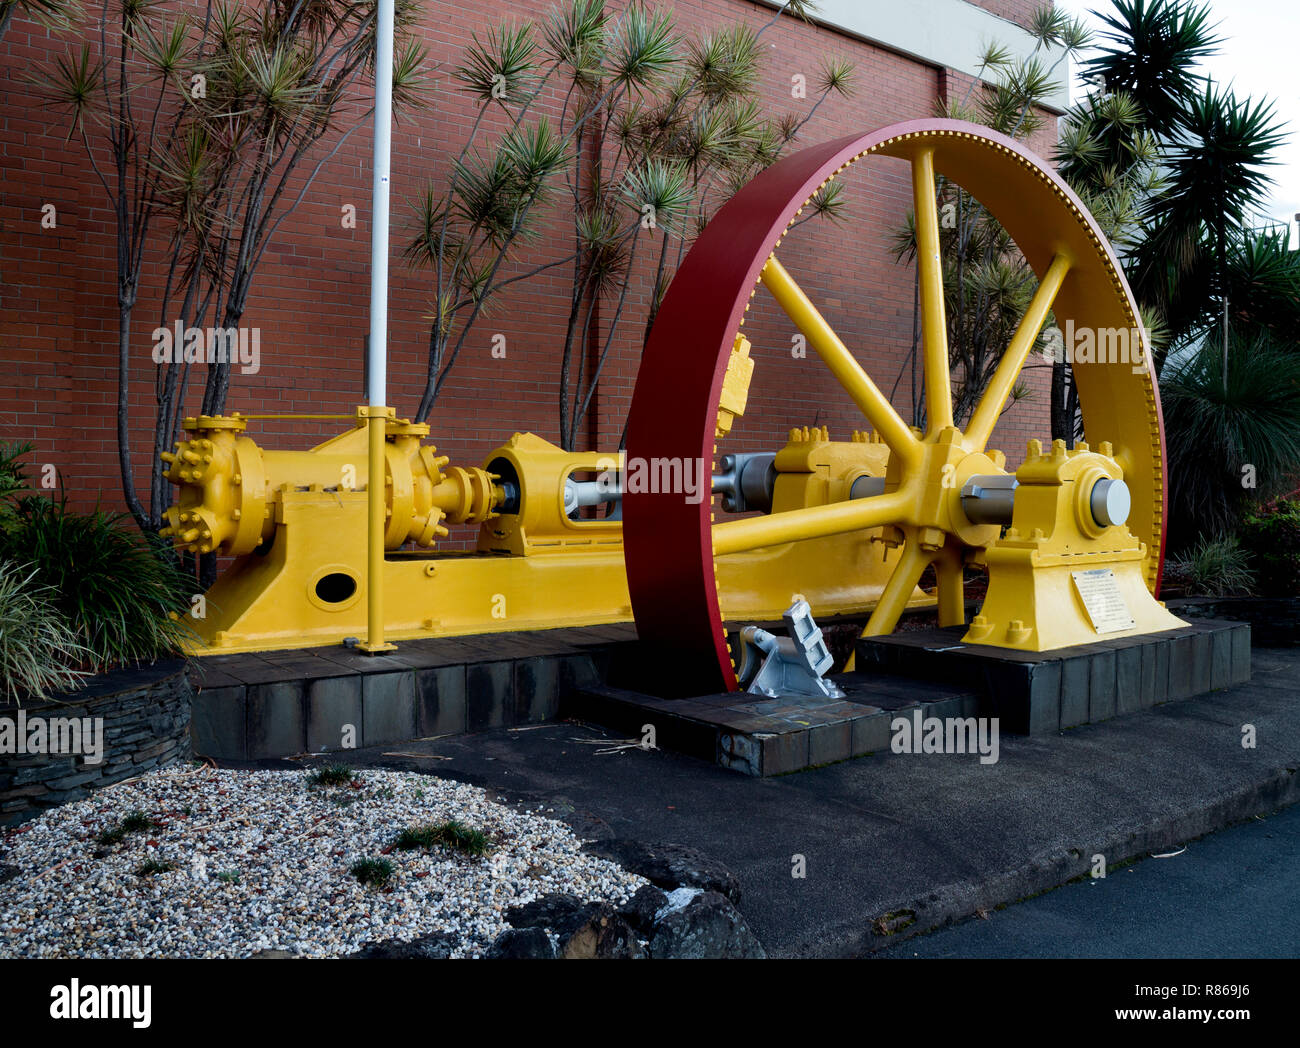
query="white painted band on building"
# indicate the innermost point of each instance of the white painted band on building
(947, 33)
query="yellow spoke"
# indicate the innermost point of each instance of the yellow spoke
(952, 589)
(847, 371)
(934, 324)
(736, 536)
(898, 590)
(1004, 378)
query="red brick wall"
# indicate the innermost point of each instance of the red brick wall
(58, 319)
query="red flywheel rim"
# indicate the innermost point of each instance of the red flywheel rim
(667, 540)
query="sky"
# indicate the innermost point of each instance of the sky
(1259, 56)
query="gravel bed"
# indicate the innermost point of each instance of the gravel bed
(262, 862)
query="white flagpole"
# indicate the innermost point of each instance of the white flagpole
(377, 350)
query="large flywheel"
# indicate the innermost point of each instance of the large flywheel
(672, 539)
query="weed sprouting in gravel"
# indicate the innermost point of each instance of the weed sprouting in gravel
(374, 872)
(332, 775)
(452, 834)
(135, 822)
(228, 876)
(151, 866)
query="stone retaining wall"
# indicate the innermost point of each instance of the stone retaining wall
(145, 716)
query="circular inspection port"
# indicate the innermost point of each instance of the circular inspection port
(335, 588)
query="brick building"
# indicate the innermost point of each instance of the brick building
(58, 315)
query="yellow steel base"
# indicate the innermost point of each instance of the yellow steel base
(1036, 570)
(1033, 603)
(301, 599)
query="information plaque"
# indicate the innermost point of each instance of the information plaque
(1099, 591)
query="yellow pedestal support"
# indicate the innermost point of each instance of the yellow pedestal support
(1058, 577)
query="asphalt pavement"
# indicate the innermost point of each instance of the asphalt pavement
(852, 858)
(1233, 894)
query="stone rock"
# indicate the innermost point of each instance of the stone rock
(436, 946)
(559, 911)
(669, 865)
(640, 910)
(584, 930)
(699, 925)
(269, 954)
(522, 944)
(601, 934)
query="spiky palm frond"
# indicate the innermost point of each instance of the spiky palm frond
(430, 212)
(801, 9)
(537, 151)
(1076, 36)
(603, 242)
(994, 55)
(73, 84)
(185, 176)
(836, 75)
(1153, 50)
(166, 49)
(660, 189)
(1263, 282)
(1012, 104)
(829, 203)
(501, 66)
(1219, 157)
(724, 63)
(487, 194)
(576, 37)
(644, 47)
(410, 76)
(53, 14)
(282, 81)
(1047, 25)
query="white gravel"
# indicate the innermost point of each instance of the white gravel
(292, 848)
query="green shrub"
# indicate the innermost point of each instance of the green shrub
(1271, 539)
(119, 592)
(1228, 444)
(38, 650)
(1215, 567)
(13, 482)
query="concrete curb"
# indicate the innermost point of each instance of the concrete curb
(960, 900)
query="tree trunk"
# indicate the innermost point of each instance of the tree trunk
(124, 421)
(1059, 424)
